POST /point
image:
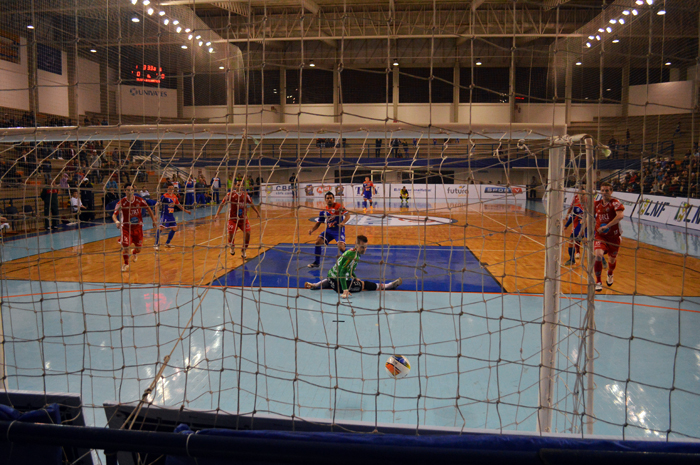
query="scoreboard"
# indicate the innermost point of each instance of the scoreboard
(148, 73)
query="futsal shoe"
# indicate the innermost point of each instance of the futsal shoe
(125, 267)
(394, 284)
(609, 281)
(156, 248)
(598, 287)
(309, 286)
(578, 256)
(243, 255)
(313, 265)
(134, 257)
(169, 246)
(569, 263)
(364, 210)
(232, 251)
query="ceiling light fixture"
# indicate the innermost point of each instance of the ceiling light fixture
(613, 21)
(146, 2)
(135, 19)
(92, 50)
(178, 30)
(189, 37)
(176, 22)
(597, 37)
(626, 12)
(591, 37)
(588, 44)
(615, 40)
(208, 44)
(639, 2)
(149, 11)
(668, 63)
(198, 37)
(478, 62)
(183, 46)
(661, 12)
(396, 62)
(609, 29)
(635, 12)
(312, 64)
(621, 21)
(211, 49)
(578, 63)
(221, 67)
(161, 13)
(650, 2)
(134, 2)
(600, 29)
(166, 21)
(201, 43)
(29, 26)
(188, 30)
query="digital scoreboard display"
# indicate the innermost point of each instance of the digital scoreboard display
(148, 73)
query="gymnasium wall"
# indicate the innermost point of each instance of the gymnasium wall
(14, 81)
(661, 99)
(88, 86)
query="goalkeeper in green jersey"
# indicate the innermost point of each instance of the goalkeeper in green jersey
(341, 278)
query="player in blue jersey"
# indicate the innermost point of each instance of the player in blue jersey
(335, 216)
(167, 204)
(578, 231)
(367, 190)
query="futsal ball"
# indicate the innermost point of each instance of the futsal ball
(397, 366)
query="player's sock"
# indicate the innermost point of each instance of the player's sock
(598, 268)
(125, 256)
(578, 248)
(171, 234)
(611, 267)
(571, 254)
(158, 237)
(393, 285)
(364, 204)
(317, 254)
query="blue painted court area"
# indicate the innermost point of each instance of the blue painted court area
(446, 269)
(475, 357)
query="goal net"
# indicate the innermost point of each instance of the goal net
(441, 164)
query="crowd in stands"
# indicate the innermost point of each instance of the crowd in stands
(664, 176)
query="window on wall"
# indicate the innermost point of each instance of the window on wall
(491, 85)
(365, 86)
(204, 89)
(415, 85)
(586, 85)
(49, 59)
(640, 77)
(267, 88)
(316, 86)
(536, 84)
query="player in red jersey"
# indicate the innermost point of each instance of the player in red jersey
(238, 215)
(127, 216)
(608, 214)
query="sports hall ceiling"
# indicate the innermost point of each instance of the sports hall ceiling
(370, 34)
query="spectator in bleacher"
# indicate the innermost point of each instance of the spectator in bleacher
(612, 145)
(46, 168)
(76, 207)
(189, 191)
(378, 148)
(64, 181)
(111, 184)
(229, 182)
(4, 224)
(87, 196)
(215, 186)
(201, 189)
(144, 193)
(50, 197)
(110, 197)
(677, 132)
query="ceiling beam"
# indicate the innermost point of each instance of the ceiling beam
(409, 36)
(476, 4)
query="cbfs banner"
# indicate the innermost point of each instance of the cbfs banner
(277, 191)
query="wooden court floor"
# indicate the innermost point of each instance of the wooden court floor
(508, 241)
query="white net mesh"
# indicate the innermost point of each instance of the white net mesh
(290, 102)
